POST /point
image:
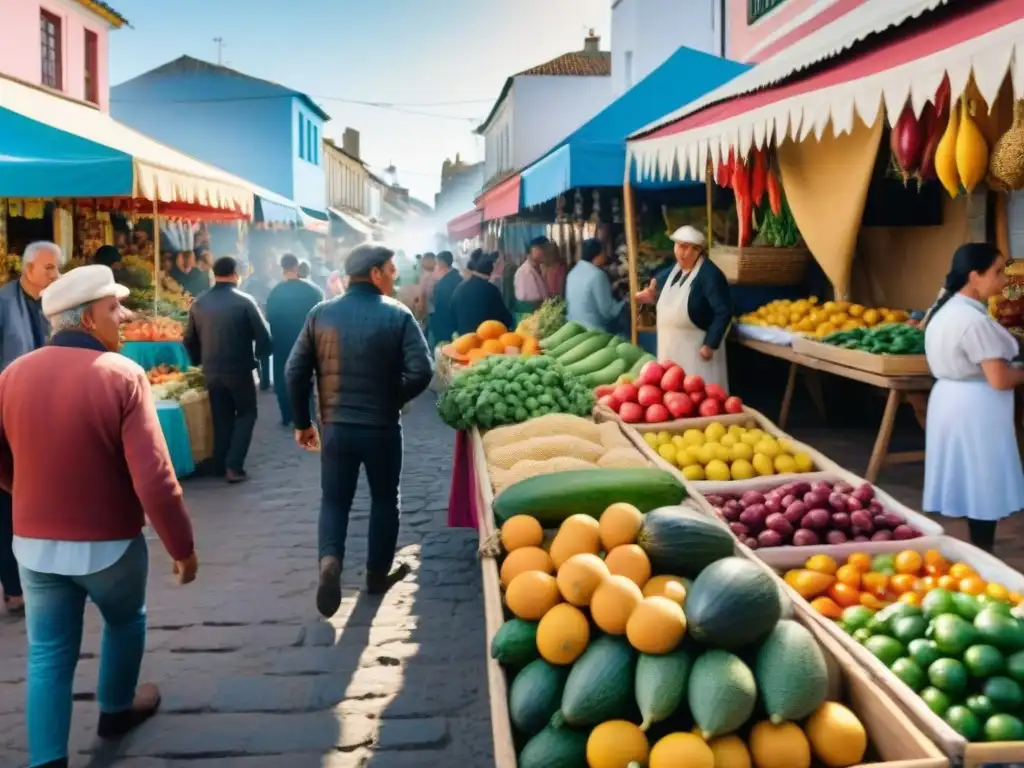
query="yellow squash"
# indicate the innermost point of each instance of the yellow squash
(971, 150)
(945, 156)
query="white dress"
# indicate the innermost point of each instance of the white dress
(972, 462)
(679, 340)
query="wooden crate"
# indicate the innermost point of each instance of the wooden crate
(884, 365)
(761, 265)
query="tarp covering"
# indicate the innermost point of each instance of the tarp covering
(501, 200)
(466, 225)
(351, 221)
(594, 155)
(61, 148)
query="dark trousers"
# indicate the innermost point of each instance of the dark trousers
(346, 448)
(264, 373)
(284, 403)
(233, 408)
(9, 579)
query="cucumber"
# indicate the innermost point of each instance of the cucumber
(584, 350)
(595, 362)
(535, 695)
(571, 343)
(641, 361)
(607, 375)
(721, 693)
(660, 684)
(630, 353)
(600, 685)
(515, 643)
(552, 498)
(555, 748)
(566, 332)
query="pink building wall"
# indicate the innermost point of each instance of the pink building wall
(20, 45)
(790, 21)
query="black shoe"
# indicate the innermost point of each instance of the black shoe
(236, 477)
(328, 592)
(114, 725)
(379, 583)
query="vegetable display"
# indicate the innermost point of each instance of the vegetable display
(546, 321)
(954, 639)
(892, 339)
(170, 383)
(821, 319)
(491, 338)
(663, 392)
(599, 358)
(507, 390)
(152, 329)
(729, 453)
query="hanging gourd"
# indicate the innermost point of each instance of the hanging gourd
(945, 155)
(971, 150)
(906, 142)
(1007, 162)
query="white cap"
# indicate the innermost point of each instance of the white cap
(688, 236)
(82, 285)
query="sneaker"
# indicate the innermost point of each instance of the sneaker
(378, 583)
(114, 725)
(328, 592)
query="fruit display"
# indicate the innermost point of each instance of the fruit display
(491, 338)
(890, 339)
(640, 640)
(1008, 308)
(554, 443)
(803, 514)
(663, 392)
(546, 321)
(952, 637)
(811, 317)
(598, 358)
(164, 374)
(511, 389)
(152, 329)
(170, 383)
(734, 452)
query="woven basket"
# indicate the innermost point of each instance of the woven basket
(199, 421)
(761, 265)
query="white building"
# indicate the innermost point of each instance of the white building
(646, 32)
(350, 184)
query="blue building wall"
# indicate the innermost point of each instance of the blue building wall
(308, 167)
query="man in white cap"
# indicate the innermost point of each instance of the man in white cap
(78, 405)
(694, 309)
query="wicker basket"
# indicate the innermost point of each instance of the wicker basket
(761, 266)
(199, 421)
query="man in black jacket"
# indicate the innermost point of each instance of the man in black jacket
(370, 359)
(224, 325)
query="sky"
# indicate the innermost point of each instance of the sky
(446, 58)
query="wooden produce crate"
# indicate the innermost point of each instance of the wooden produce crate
(698, 422)
(961, 753)
(761, 265)
(883, 365)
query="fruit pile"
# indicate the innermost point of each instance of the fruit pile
(804, 514)
(663, 392)
(599, 358)
(808, 316)
(725, 453)
(491, 338)
(618, 660)
(152, 329)
(164, 374)
(953, 638)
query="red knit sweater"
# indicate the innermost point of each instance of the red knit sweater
(82, 452)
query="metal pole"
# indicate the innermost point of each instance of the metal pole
(708, 194)
(156, 256)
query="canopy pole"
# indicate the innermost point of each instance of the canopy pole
(709, 194)
(628, 206)
(156, 256)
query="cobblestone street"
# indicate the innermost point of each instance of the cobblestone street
(251, 677)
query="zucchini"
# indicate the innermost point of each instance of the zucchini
(630, 353)
(571, 343)
(515, 643)
(566, 332)
(552, 498)
(584, 350)
(641, 361)
(595, 362)
(534, 696)
(607, 375)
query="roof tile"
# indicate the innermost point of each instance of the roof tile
(575, 64)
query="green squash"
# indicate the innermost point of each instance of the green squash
(791, 673)
(733, 604)
(680, 541)
(535, 695)
(566, 332)
(600, 684)
(721, 693)
(660, 684)
(515, 643)
(555, 748)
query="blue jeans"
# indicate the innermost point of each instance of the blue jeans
(54, 607)
(345, 448)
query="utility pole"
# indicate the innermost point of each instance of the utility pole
(219, 42)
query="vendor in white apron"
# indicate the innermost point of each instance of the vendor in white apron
(694, 310)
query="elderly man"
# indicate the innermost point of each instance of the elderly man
(370, 359)
(78, 405)
(22, 329)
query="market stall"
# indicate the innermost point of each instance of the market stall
(183, 407)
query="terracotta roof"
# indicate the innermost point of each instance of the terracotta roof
(575, 64)
(100, 8)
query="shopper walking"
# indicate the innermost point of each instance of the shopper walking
(258, 285)
(370, 359)
(224, 325)
(23, 328)
(78, 405)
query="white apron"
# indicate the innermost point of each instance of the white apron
(679, 340)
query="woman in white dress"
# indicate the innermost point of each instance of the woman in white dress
(693, 311)
(972, 462)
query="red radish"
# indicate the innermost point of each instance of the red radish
(733, 405)
(672, 381)
(604, 389)
(715, 392)
(697, 397)
(609, 401)
(679, 405)
(626, 393)
(649, 395)
(710, 408)
(631, 413)
(692, 384)
(656, 414)
(651, 373)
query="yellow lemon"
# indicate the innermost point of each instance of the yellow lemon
(804, 463)
(741, 451)
(870, 317)
(763, 465)
(768, 447)
(678, 442)
(812, 299)
(651, 439)
(736, 430)
(685, 458)
(694, 472)
(664, 437)
(714, 431)
(707, 452)
(856, 310)
(741, 469)
(723, 453)
(750, 438)
(784, 464)
(830, 307)
(728, 440)
(693, 437)
(667, 452)
(786, 446)
(717, 470)
(693, 454)
(839, 318)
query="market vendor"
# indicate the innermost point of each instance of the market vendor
(188, 275)
(694, 309)
(531, 289)
(972, 461)
(588, 290)
(477, 299)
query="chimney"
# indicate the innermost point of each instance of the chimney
(350, 142)
(592, 44)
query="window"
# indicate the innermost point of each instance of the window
(302, 135)
(51, 50)
(316, 145)
(92, 67)
(756, 9)
(627, 66)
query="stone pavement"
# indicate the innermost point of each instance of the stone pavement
(252, 677)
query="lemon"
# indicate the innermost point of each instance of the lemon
(664, 437)
(651, 439)
(736, 430)
(741, 470)
(786, 446)
(693, 437)
(804, 463)
(763, 465)
(693, 454)
(694, 472)
(678, 442)
(723, 453)
(714, 431)
(839, 318)
(707, 452)
(856, 310)
(741, 451)
(784, 464)
(768, 447)
(685, 458)
(728, 440)
(717, 470)
(750, 438)
(667, 452)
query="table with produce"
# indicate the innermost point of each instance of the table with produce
(183, 407)
(153, 340)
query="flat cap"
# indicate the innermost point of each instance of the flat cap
(365, 257)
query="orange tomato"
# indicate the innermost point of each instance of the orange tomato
(822, 564)
(849, 575)
(972, 585)
(927, 584)
(870, 601)
(997, 591)
(935, 563)
(908, 561)
(947, 582)
(827, 607)
(961, 571)
(902, 582)
(910, 598)
(875, 583)
(844, 594)
(860, 560)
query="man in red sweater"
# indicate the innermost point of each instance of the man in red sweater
(78, 405)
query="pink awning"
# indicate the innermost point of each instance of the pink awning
(465, 225)
(501, 200)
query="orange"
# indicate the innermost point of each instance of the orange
(927, 584)
(822, 564)
(935, 558)
(902, 582)
(844, 594)
(997, 591)
(860, 560)
(875, 583)
(961, 571)
(948, 582)
(827, 607)
(870, 601)
(1016, 598)
(908, 561)
(849, 575)
(972, 585)
(910, 598)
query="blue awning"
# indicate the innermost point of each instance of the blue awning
(595, 154)
(275, 209)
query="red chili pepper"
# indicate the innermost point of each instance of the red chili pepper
(744, 206)
(758, 174)
(723, 175)
(774, 192)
